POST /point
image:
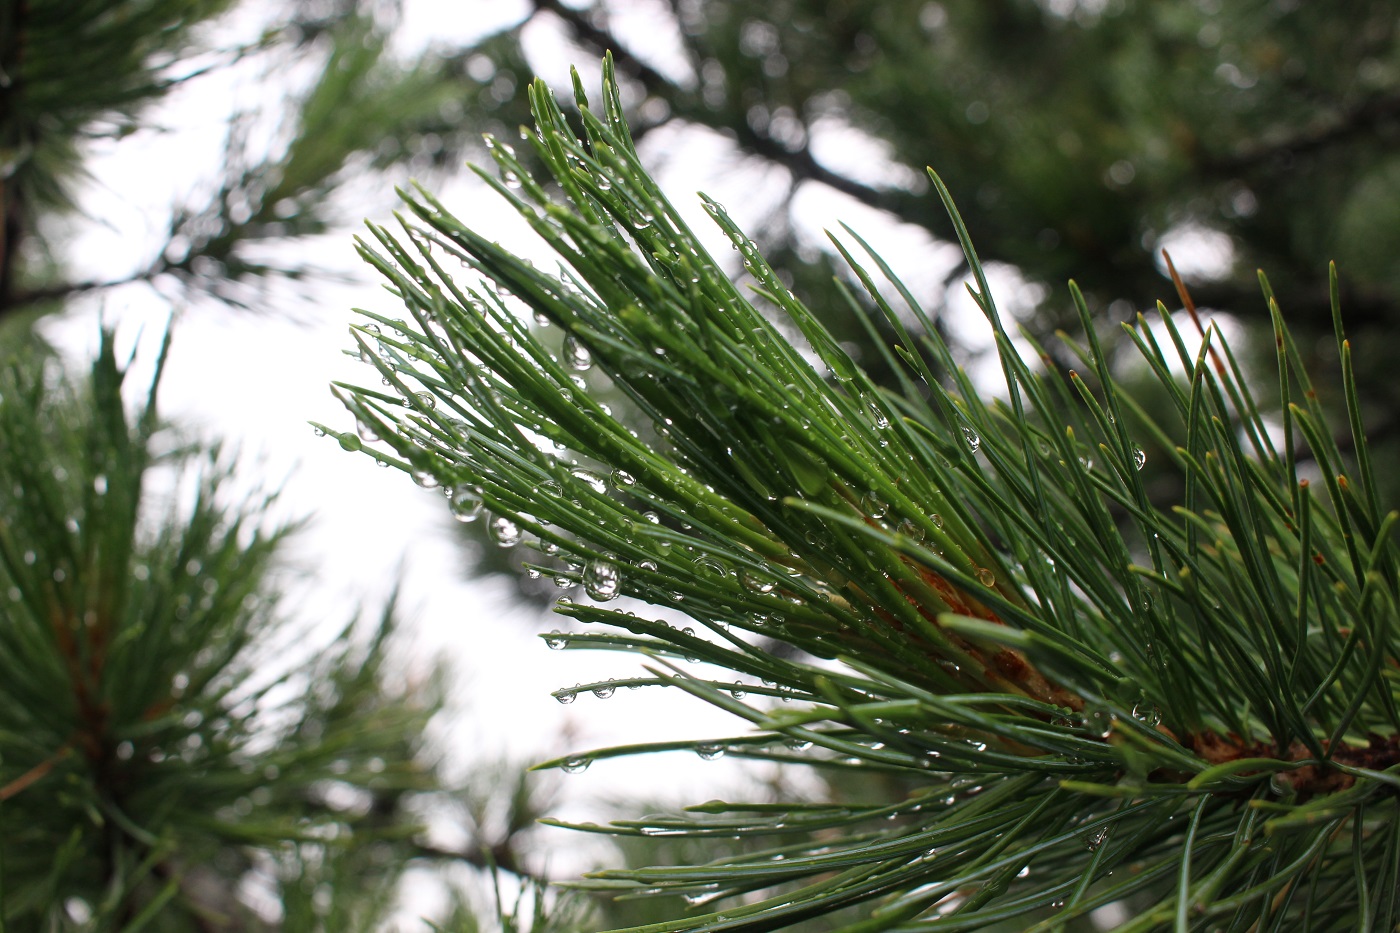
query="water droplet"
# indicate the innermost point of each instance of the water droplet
(565, 697)
(511, 179)
(986, 577)
(1139, 457)
(873, 507)
(504, 532)
(798, 745)
(738, 691)
(350, 442)
(425, 400)
(318, 431)
(878, 416)
(575, 764)
(564, 581)
(1094, 840)
(710, 567)
(937, 520)
(602, 580)
(647, 565)
(1098, 723)
(755, 584)
(604, 184)
(1147, 713)
(576, 355)
(709, 752)
(621, 479)
(425, 479)
(652, 517)
(603, 691)
(466, 503)
(556, 640)
(367, 434)
(99, 484)
(1086, 462)
(973, 439)
(594, 481)
(911, 531)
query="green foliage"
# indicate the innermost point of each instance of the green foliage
(75, 71)
(165, 736)
(1185, 709)
(1077, 134)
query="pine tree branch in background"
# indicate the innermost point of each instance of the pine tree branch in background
(1186, 710)
(230, 244)
(1345, 124)
(163, 739)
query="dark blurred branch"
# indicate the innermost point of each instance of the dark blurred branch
(1363, 307)
(499, 856)
(799, 160)
(1363, 118)
(12, 147)
(34, 296)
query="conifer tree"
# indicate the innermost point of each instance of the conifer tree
(175, 752)
(1187, 710)
(166, 754)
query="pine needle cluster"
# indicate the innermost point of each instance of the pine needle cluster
(1185, 708)
(173, 756)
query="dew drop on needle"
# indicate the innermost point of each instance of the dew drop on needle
(602, 580)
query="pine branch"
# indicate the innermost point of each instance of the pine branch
(1093, 698)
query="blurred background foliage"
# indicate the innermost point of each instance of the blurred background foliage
(1081, 137)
